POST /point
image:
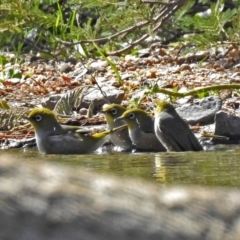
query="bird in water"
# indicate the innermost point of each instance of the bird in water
(54, 138)
(121, 137)
(141, 130)
(172, 131)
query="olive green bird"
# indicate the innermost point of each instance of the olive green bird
(53, 138)
(141, 130)
(121, 137)
(173, 132)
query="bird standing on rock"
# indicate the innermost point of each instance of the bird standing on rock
(121, 137)
(53, 138)
(173, 132)
(141, 130)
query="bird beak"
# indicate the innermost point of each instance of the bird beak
(120, 118)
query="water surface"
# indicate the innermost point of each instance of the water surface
(220, 167)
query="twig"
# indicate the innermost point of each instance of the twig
(162, 15)
(195, 91)
(99, 87)
(155, 2)
(169, 7)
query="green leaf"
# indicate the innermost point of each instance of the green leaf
(4, 105)
(203, 95)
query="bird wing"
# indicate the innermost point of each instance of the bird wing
(147, 125)
(177, 133)
(69, 128)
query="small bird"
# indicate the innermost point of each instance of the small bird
(173, 132)
(53, 138)
(141, 130)
(121, 137)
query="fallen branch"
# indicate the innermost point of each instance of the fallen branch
(192, 92)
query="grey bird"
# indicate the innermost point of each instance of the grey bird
(173, 132)
(141, 130)
(54, 138)
(121, 137)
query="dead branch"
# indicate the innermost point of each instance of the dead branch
(166, 12)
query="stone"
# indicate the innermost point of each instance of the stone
(50, 102)
(78, 73)
(94, 95)
(45, 200)
(201, 111)
(227, 125)
(65, 67)
(91, 94)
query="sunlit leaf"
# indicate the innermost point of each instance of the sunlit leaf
(4, 105)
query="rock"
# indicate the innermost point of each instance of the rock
(227, 125)
(99, 65)
(50, 102)
(201, 111)
(93, 94)
(78, 73)
(72, 60)
(42, 200)
(65, 67)
(144, 53)
(83, 111)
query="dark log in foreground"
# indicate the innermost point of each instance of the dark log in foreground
(40, 200)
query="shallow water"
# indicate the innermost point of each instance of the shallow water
(220, 167)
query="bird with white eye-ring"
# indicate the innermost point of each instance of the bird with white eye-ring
(38, 118)
(172, 130)
(141, 130)
(120, 138)
(51, 137)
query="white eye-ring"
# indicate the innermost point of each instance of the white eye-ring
(131, 116)
(114, 111)
(38, 118)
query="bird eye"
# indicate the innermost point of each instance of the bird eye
(38, 118)
(131, 116)
(114, 111)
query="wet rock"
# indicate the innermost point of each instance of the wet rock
(18, 143)
(42, 200)
(227, 125)
(201, 111)
(94, 95)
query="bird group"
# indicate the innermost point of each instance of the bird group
(127, 129)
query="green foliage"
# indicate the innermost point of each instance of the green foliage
(202, 94)
(210, 26)
(73, 21)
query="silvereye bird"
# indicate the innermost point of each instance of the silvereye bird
(141, 130)
(173, 132)
(121, 137)
(53, 138)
